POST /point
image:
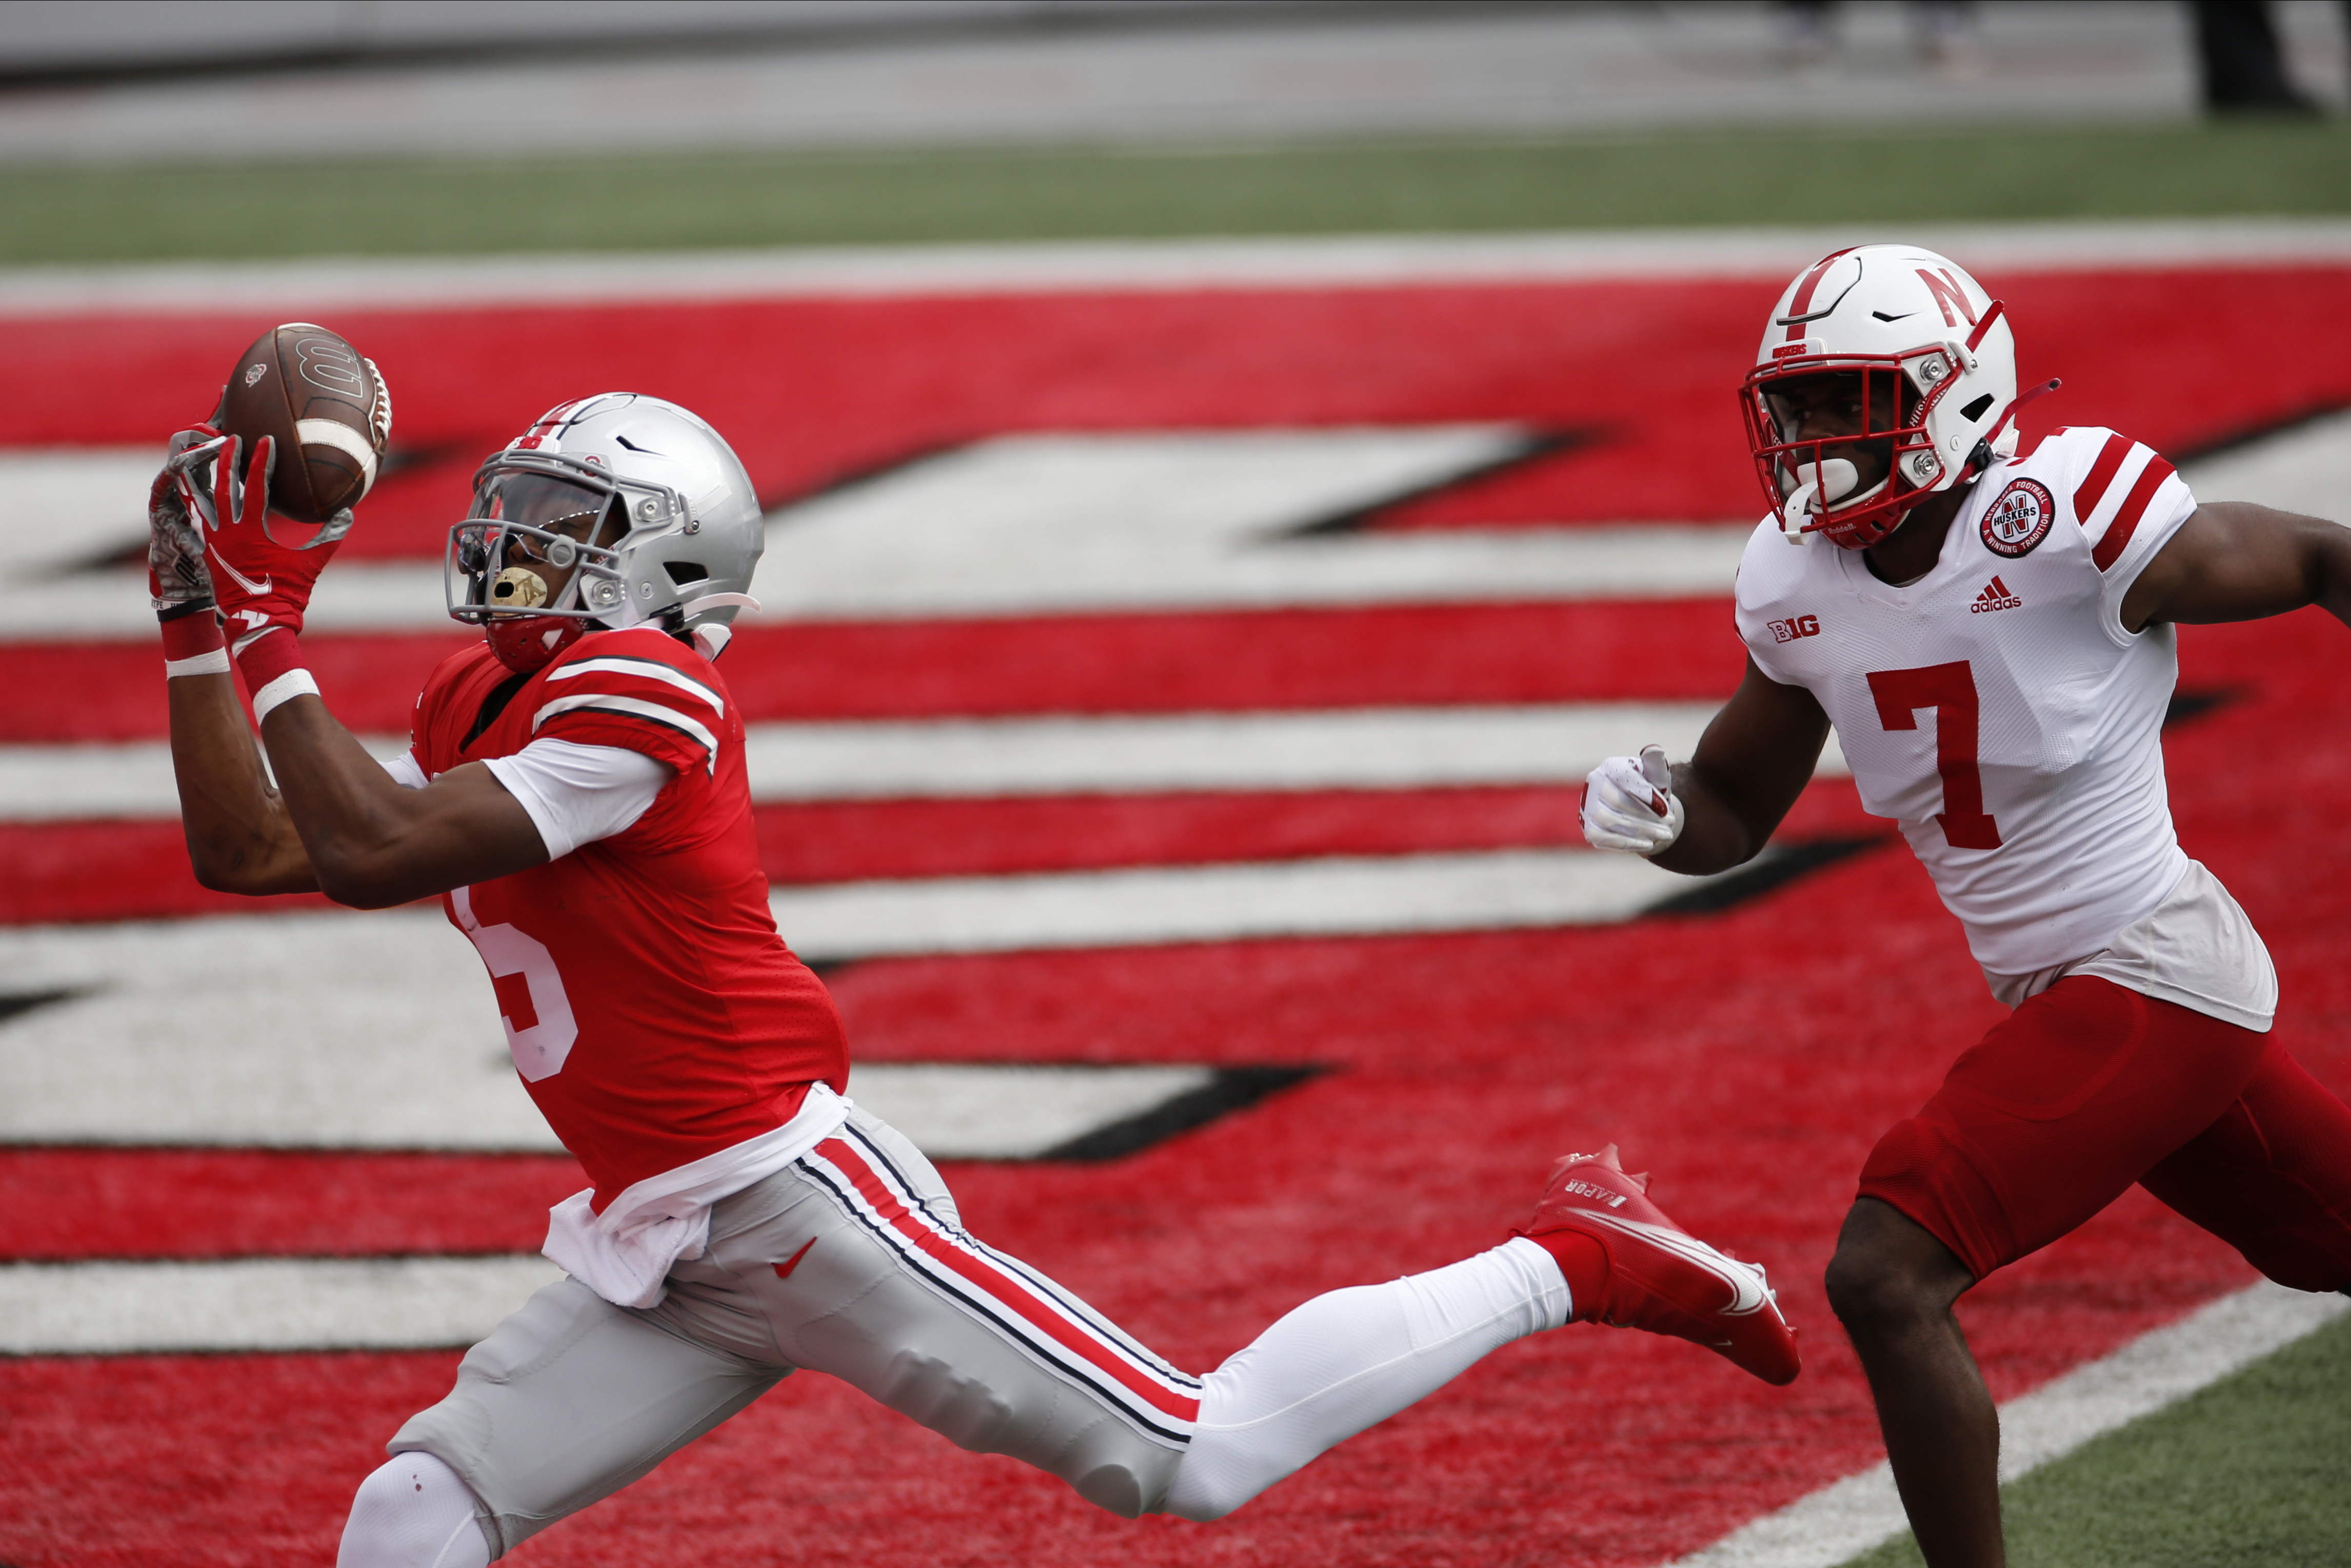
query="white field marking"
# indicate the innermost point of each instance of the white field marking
(2306, 469)
(377, 1031)
(1027, 525)
(310, 1303)
(1030, 525)
(1172, 520)
(65, 507)
(1449, 566)
(1364, 748)
(118, 780)
(1357, 748)
(1367, 261)
(1841, 1521)
(1010, 1111)
(261, 1303)
(380, 1030)
(1334, 896)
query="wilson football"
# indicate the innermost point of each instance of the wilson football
(328, 408)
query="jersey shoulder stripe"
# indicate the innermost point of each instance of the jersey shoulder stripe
(639, 668)
(2113, 482)
(2116, 537)
(2095, 484)
(664, 715)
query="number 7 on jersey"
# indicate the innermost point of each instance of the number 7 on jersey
(1950, 691)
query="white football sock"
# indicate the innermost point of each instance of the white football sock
(1352, 1359)
(413, 1512)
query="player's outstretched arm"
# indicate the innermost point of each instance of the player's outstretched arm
(240, 838)
(370, 842)
(2233, 561)
(337, 822)
(1755, 757)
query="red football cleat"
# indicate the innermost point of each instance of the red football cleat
(1661, 1278)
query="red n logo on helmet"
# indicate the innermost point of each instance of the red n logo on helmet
(1948, 295)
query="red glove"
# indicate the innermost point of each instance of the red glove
(261, 585)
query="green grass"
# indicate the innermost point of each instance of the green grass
(2254, 1470)
(58, 214)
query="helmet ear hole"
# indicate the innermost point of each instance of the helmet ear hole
(682, 573)
(1975, 409)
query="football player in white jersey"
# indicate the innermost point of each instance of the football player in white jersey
(1992, 638)
(577, 792)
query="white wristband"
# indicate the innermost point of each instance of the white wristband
(285, 687)
(214, 662)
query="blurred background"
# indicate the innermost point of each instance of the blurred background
(1232, 466)
(136, 129)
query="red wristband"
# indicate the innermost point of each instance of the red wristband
(271, 662)
(192, 644)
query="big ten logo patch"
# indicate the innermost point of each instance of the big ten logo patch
(1795, 626)
(2019, 519)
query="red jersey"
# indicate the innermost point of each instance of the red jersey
(653, 1010)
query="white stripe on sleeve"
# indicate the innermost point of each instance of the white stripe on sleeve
(643, 669)
(633, 708)
(578, 794)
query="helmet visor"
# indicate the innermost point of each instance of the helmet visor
(545, 502)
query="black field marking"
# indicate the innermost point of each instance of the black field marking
(23, 1002)
(2195, 704)
(1783, 863)
(1533, 446)
(1233, 1089)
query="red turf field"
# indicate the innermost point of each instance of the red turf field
(1750, 1058)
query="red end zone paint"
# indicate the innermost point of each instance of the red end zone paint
(1748, 1058)
(240, 1203)
(809, 391)
(1234, 661)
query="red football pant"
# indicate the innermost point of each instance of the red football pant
(2089, 1087)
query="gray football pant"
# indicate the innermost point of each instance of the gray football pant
(849, 1261)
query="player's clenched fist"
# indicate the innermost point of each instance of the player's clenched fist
(1629, 804)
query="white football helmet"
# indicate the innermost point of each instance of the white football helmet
(664, 529)
(1935, 365)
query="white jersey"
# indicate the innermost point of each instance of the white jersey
(1995, 707)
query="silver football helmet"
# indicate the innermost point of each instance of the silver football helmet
(616, 510)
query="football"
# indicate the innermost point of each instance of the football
(328, 408)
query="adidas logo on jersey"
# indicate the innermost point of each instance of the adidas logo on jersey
(1995, 596)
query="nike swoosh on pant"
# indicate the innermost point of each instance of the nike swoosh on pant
(784, 1270)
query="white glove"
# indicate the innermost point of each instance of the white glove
(1629, 804)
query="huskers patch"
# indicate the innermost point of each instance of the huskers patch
(2020, 519)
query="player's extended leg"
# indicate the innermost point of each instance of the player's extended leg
(2273, 1177)
(1597, 1250)
(2052, 1116)
(858, 1267)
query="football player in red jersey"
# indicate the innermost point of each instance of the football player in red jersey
(1991, 637)
(575, 793)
